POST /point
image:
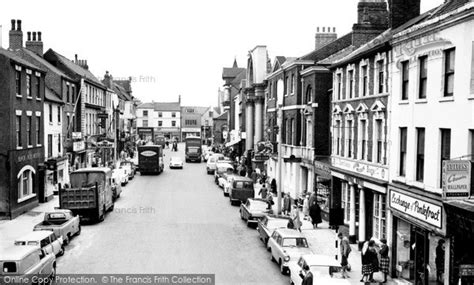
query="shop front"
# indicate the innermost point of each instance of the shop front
(359, 189)
(419, 244)
(323, 186)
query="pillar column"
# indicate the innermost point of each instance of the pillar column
(259, 99)
(352, 213)
(362, 216)
(249, 119)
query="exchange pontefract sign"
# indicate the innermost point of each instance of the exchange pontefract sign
(457, 179)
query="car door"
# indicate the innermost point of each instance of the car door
(295, 271)
(271, 242)
(246, 210)
(279, 249)
(55, 244)
(46, 245)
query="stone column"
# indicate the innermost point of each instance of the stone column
(352, 213)
(259, 99)
(362, 216)
(249, 118)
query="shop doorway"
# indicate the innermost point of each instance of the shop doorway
(420, 256)
(369, 213)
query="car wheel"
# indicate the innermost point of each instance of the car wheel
(282, 268)
(78, 230)
(52, 276)
(67, 240)
(61, 253)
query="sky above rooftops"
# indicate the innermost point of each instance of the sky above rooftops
(172, 48)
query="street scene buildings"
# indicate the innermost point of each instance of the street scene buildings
(353, 160)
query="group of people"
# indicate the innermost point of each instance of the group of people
(371, 262)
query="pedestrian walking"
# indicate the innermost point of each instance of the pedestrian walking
(287, 204)
(439, 260)
(315, 214)
(306, 206)
(295, 216)
(345, 248)
(254, 176)
(306, 275)
(366, 265)
(243, 171)
(384, 259)
(270, 201)
(312, 198)
(273, 186)
(263, 192)
(372, 259)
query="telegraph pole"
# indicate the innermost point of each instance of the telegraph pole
(280, 160)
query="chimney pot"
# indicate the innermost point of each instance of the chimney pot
(324, 29)
(18, 25)
(334, 29)
(13, 25)
(39, 36)
(317, 29)
(75, 57)
(29, 36)
(34, 36)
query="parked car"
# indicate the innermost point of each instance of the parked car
(226, 182)
(120, 175)
(45, 240)
(207, 154)
(221, 168)
(128, 166)
(241, 189)
(176, 162)
(116, 188)
(270, 223)
(26, 262)
(286, 245)
(211, 162)
(253, 210)
(325, 269)
(62, 222)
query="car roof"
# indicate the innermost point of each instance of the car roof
(16, 252)
(320, 260)
(35, 235)
(290, 233)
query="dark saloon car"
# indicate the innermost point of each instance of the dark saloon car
(240, 190)
(269, 223)
(252, 210)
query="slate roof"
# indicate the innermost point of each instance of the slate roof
(76, 69)
(120, 91)
(51, 96)
(161, 106)
(40, 61)
(18, 59)
(329, 49)
(229, 72)
(446, 8)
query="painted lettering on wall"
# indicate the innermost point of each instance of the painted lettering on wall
(28, 156)
(416, 208)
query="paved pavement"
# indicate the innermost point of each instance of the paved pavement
(177, 222)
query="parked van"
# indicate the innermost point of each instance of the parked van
(241, 189)
(45, 240)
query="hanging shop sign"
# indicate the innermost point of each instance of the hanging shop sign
(416, 208)
(78, 146)
(76, 135)
(456, 179)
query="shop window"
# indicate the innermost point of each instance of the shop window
(25, 184)
(346, 201)
(379, 217)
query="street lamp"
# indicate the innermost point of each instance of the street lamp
(280, 160)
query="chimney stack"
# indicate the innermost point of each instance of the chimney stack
(323, 38)
(107, 80)
(401, 11)
(34, 43)
(373, 12)
(16, 36)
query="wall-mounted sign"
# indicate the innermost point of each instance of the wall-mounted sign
(416, 208)
(361, 167)
(456, 179)
(76, 135)
(78, 146)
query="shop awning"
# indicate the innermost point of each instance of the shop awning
(232, 143)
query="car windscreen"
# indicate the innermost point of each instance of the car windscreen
(277, 223)
(86, 179)
(193, 149)
(294, 242)
(258, 206)
(243, 184)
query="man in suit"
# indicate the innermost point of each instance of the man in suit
(307, 276)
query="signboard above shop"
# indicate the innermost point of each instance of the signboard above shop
(457, 179)
(76, 135)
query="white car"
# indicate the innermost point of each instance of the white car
(120, 175)
(176, 162)
(324, 268)
(207, 154)
(221, 168)
(211, 162)
(44, 240)
(287, 245)
(226, 181)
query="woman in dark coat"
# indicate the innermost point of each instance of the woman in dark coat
(315, 214)
(384, 259)
(373, 259)
(439, 260)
